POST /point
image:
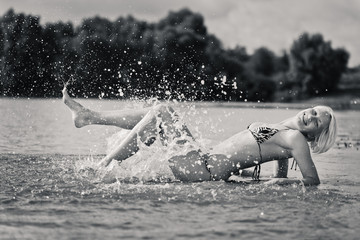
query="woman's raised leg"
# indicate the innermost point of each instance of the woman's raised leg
(82, 116)
(144, 123)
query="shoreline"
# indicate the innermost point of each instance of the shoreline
(347, 102)
(336, 105)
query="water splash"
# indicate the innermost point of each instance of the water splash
(150, 163)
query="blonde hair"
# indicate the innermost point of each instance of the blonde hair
(327, 137)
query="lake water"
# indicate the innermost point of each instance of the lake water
(50, 190)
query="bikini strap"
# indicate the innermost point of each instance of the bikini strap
(292, 165)
(256, 173)
(257, 169)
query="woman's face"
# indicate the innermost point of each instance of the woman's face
(313, 121)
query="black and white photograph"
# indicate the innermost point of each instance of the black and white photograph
(169, 119)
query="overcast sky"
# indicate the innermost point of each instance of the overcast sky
(274, 24)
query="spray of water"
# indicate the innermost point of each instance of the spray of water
(150, 163)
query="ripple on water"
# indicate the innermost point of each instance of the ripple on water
(63, 191)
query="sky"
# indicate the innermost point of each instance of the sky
(252, 24)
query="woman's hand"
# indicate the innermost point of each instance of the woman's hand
(238, 179)
(282, 181)
(286, 181)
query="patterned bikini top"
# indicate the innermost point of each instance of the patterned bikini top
(261, 134)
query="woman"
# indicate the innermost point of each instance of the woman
(258, 144)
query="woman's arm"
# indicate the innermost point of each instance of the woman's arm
(281, 168)
(296, 143)
(301, 152)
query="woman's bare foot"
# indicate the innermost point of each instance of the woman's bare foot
(81, 115)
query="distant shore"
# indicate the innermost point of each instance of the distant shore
(341, 102)
(337, 102)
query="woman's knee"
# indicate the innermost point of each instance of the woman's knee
(163, 108)
(165, 112)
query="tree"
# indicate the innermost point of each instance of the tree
(173, 58)
(58, 55)
(315, 65)
(22, 72)
(180, 43)
(262, 62)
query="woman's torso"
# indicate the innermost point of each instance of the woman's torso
(243, 151)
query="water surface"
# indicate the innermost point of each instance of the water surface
(49, 190)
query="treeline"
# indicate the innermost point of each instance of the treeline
(173, 58)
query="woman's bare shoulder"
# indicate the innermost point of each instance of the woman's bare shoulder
(290, 138)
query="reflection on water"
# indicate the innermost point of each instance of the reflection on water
(50, 188)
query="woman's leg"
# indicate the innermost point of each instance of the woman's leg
(82, 116)
(142, 122)
(129, 145)
(159, 122)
